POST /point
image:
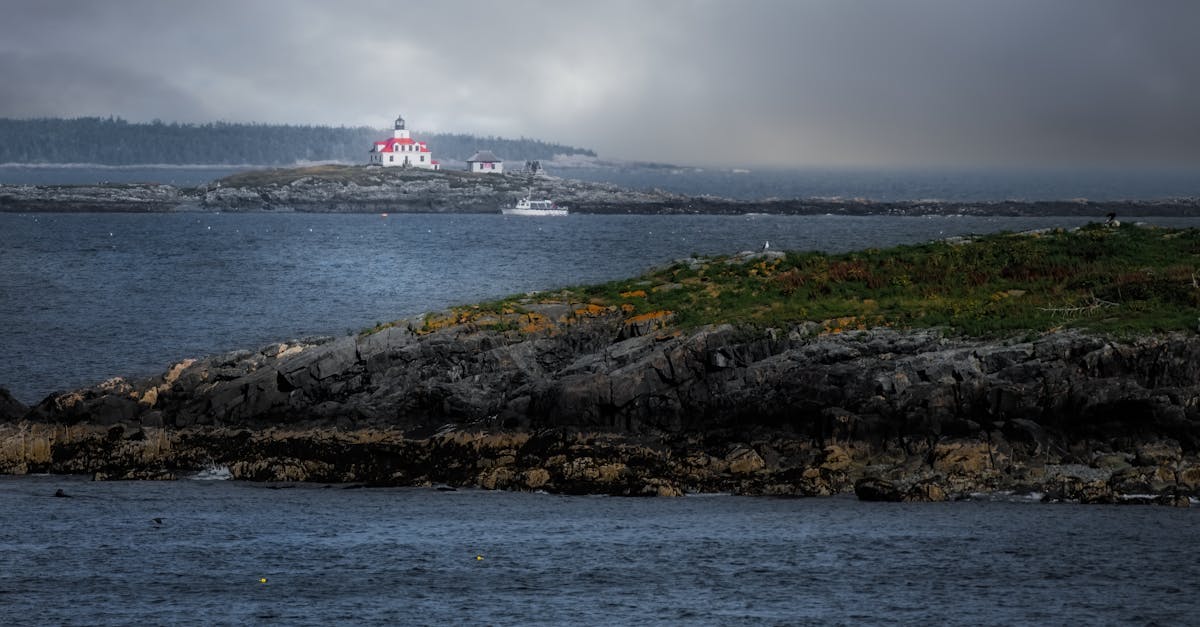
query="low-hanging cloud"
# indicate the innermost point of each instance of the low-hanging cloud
(934, 82)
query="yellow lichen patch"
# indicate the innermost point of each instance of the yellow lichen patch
(661, 315)
(500, 441)
(536, 322)
(764, 268)
(591, 310)
(454, 317)
(845, 323)
(634, 294)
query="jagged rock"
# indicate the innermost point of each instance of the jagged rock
(1158, 453)
(927, 491)
(744, 460)
(876, 489)
(535, 478)
(773, 411)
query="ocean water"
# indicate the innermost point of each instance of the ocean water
(85, 297)
(331, 555)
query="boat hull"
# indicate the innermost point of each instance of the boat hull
(517, 211)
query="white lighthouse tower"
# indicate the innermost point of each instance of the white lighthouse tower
(400, 132)
(402, 150)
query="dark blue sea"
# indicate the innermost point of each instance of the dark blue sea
(85, 297)
(335, 556)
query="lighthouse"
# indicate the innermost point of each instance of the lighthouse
(402, 150)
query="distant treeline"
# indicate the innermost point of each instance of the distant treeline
(114, 141)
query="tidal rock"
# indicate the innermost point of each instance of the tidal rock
(876, 489)
(744, 460)
(927, 491)
(603, 409)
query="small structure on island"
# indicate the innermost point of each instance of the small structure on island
(402, 151)
(486, 162)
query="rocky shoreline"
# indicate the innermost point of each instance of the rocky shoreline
(362, 189)
(578, 398)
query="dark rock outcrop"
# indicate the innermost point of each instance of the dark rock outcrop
(923, 416)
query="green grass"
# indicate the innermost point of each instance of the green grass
(364, 175)
(1127, 280)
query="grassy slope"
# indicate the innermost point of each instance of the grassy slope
(357, 174)
(1124, 280)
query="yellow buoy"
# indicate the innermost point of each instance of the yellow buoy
(478, 557)
(262, 580)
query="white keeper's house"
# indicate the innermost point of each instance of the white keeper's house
(402, 151)
(485, 161)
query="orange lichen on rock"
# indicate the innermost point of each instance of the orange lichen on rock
(846, 323)
(591, 310)
(536, 322)
(634, 294)
(627, 308)
(764, 268)
(454, 317)
(662, 314)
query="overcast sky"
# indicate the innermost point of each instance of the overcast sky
(762, 82)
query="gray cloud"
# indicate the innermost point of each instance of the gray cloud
(870, 82)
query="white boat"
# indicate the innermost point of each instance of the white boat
(529, 207)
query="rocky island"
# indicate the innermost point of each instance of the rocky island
(1064, 364)
(367, 189)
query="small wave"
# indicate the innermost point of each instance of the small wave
(213, 473)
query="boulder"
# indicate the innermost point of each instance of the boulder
(927, 491)
(744, 460)
(876, 489)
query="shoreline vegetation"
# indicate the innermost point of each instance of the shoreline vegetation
(1061, 363)
(366, 189)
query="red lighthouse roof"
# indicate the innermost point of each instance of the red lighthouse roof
(390, 145)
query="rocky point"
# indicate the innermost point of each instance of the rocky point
(581, 398)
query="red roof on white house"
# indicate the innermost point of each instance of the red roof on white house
(389, 145)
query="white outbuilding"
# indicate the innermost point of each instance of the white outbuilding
(486, 162)
(402, 151)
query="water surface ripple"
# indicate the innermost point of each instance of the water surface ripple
(84, 297)
(409, 556)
